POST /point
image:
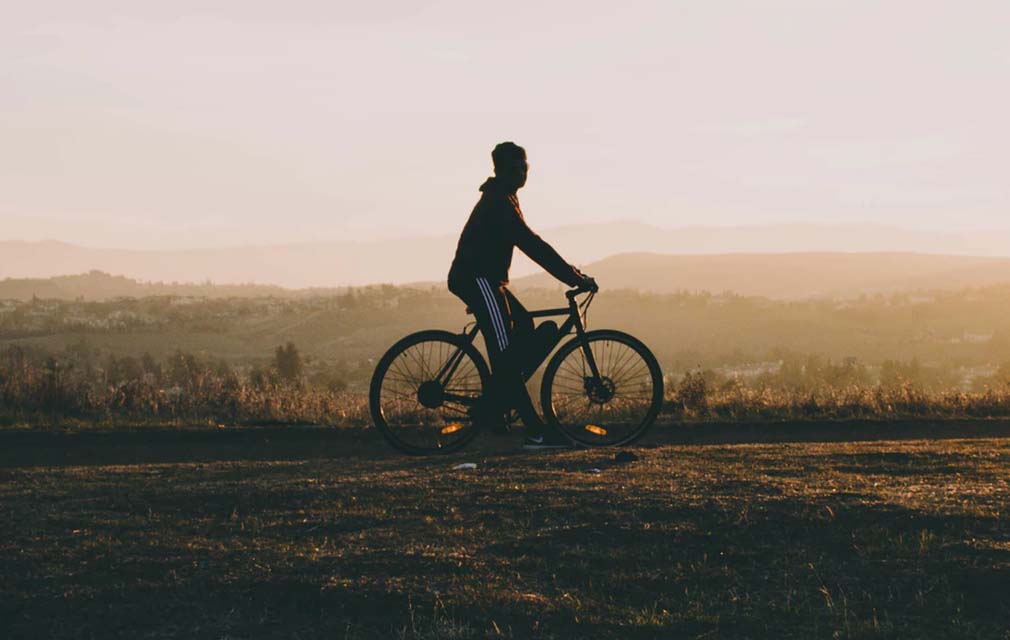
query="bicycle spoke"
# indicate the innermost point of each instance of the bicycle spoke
(409, 378)
(608, 408)
(399, 365)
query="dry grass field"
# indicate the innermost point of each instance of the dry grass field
(315, 533)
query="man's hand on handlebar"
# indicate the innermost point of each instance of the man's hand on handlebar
(586, 284)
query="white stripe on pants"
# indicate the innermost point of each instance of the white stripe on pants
(494, 312)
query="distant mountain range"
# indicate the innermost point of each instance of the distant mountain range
(792, 275)
(426, 259)
(782, 276)
(97, 285)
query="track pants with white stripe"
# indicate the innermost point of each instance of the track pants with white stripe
(505, 324)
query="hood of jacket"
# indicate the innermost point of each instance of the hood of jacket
(495, 186)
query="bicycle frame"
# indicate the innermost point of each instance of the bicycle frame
(574, 321)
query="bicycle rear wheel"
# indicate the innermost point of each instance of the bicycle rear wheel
(417, 411)
(614, 409)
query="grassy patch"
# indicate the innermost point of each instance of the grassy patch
(804, 540)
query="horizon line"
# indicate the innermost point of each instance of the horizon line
(408, 238)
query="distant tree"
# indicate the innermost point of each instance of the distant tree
(259, 377)
(123, 369)
(894, 374)
(151, 367)
(184, 369)
(225, 374)
(288, 362)
(82, 354)
(332, 377)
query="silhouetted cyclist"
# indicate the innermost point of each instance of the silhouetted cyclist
(479, 276)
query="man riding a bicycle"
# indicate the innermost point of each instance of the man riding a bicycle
(479, 276)
(432, 391)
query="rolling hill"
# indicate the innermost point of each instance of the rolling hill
(791, 275)
(781, 276)
(98, 285)
(426, 259)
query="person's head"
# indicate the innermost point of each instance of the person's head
(510, 164)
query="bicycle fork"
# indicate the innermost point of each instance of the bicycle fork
(599, 389)
(580, 332)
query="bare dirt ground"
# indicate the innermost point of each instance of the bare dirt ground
(895, 530)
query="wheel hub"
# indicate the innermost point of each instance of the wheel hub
(600, 390)
(431, 394)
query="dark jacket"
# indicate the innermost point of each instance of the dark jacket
(496, 225)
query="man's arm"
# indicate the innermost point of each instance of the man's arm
(542, 253)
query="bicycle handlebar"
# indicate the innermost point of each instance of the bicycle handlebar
(571, 293)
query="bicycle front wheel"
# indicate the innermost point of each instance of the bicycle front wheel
(614, 408)
(422, 390)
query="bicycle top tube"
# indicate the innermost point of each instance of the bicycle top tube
(561, 311)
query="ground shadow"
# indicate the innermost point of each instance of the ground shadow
(93, 447)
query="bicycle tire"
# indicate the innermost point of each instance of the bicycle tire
(557, 396)
(425, 438)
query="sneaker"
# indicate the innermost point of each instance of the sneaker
(541, 442)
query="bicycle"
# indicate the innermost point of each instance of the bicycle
(601, 388)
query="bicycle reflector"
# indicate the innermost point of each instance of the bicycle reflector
(592, 428)
(451, 428)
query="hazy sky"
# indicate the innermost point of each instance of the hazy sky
(185, 123)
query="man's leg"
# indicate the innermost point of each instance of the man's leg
(507, 390)
(522, 322)
(520, 343)
(538, 434)
(510, 376)
(507, 387)
(491, 312)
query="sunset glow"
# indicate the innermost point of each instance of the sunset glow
(176, 126)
